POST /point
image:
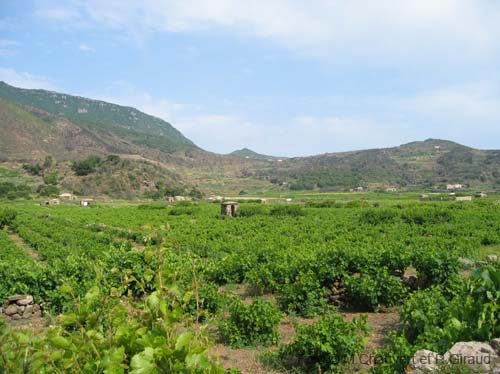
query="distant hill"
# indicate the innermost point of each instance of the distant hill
(105, 120)
(35, 124)
(249, 154)
(430, 163)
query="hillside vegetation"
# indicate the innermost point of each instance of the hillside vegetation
(38, 123)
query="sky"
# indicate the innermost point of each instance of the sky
(282, 77)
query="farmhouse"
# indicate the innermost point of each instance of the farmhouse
(51, 202)
(179, 198)
(229, 208)
(481, 195)
(67, 196)
(86, 202)
(463, 198)
(359, 189)
(170, 199)
(424, 197)
(452, 187)
(391, 189)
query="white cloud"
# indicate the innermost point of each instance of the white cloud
(385, 30)
(86, 48)
(25, 80)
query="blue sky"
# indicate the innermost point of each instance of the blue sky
(283, 77)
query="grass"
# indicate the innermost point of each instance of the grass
(489, 250)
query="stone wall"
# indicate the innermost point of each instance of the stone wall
(19, 307)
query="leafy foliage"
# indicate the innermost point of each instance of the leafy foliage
(325, 346)
(251, 324)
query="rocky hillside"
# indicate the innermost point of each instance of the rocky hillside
(38, 123)
(116, 125)
(431, 163)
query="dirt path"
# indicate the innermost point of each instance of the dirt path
(247, 359)
(17, 240)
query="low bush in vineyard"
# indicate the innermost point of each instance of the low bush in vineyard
(379, 216)
(7, 217)
(437, 318)
(370, 291)
(327, 346)
(248, 210)
(104, 334)
(305, 296)
(251, 324)
(293, 210)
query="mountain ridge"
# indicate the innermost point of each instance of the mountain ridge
(35, 126)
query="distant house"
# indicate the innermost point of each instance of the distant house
(86, 202)
(359, 189)
(51, 202)
(463, 198)
(170, 199)
(229, 208)
(391, 189)
(481, 195)
(215, 198)
(452, 187)
(180, 198)
(424, 197)
(67, 196)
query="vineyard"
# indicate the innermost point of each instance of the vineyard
(153, 288)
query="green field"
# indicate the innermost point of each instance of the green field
(149, 288)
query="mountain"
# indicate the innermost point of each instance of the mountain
(430, 163)
(101, 119)
(36, 123)
(249, 154)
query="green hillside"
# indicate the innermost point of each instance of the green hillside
(429, 164)
(101, 117)
(252, 155)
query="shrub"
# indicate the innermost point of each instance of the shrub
(378, 216)
(7, 217)
(357, 204)
(33, 169)
(248, 210)
(435, 267)
(87, 166)
(250, 324)
(325, 346)
(305, 296)
(375, 289)
(293, 210)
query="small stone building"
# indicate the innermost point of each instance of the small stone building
(51, 202)
(229, 208)
(67, 196)
(86, 202)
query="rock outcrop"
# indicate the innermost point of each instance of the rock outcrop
(479, 357)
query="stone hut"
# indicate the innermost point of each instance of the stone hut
(229, 208)
(86, 202)
(51, 202)
(67, 196)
